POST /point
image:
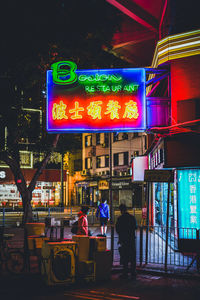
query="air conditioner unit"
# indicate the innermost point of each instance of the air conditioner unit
(83, 172)
(58, 262)
(104, 145)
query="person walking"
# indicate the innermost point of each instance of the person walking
(144, 215)
(103, 212)
(125, 227)
(83, 221)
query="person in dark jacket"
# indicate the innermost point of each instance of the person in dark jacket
(103, 212)
(125, 226)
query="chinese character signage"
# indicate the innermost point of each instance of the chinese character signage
(188, 201)
(95, 100)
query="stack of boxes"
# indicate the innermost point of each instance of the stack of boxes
(35, 236)
(93, 260)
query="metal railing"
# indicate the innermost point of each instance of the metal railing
(152, 251)
(149, 252)
(150, 242)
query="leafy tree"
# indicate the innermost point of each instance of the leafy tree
(38, 33)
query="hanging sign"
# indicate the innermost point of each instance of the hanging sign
(159, 176)
(95, 100)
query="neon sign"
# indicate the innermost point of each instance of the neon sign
(95, 100)
(188, 202)
(62, 75)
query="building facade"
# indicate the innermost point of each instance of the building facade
(177, 146)
(96, 153)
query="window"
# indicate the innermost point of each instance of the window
(88, 163)
(125, 136)
(106, 139)
(116, 159)
(98, 162)
(88, 140)
(136, 134)
(126, 158)
(121, 159)
(115, 136)
(136, 153)
(98, 139)
(107, 161)
(102, 161)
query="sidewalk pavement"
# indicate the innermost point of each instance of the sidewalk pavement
(146, 287)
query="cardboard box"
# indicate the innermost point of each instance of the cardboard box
(36, 242)
(83, 246)
(103, 262)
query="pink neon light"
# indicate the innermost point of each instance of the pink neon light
(162, 17)
(131, 14)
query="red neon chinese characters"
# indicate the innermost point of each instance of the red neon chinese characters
(76, 111)
(94, 110)
(58, 111)
(131, 110)
(113, 109)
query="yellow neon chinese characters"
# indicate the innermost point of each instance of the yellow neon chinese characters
(113, 109)
(58, 111)
(94, 110)
(76, 111)
(131, 110)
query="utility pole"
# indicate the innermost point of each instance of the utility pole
(62, 182)
(111, 199)
(110, 185)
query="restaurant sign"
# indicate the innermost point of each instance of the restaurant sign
(95, 100)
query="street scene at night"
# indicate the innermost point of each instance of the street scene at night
(99, 149)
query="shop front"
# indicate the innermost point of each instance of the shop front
(122, 191)
(179, 155)
(159, 190)
(87, 193)
(45, 194)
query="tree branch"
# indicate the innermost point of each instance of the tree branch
(43, 164)
(15, 168)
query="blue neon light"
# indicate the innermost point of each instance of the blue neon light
(188, 202)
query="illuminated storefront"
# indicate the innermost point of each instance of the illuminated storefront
(45, 194)
(188, 181)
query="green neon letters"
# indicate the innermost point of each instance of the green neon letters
(64, 73)
(99, 78)
(64, 76)
(104, 88)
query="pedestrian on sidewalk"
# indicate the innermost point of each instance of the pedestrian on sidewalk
(83, 221)
(125, 226)
(144, 215)
(103, 212)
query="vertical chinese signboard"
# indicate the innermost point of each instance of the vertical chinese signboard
(188, 202)
(95, 100)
